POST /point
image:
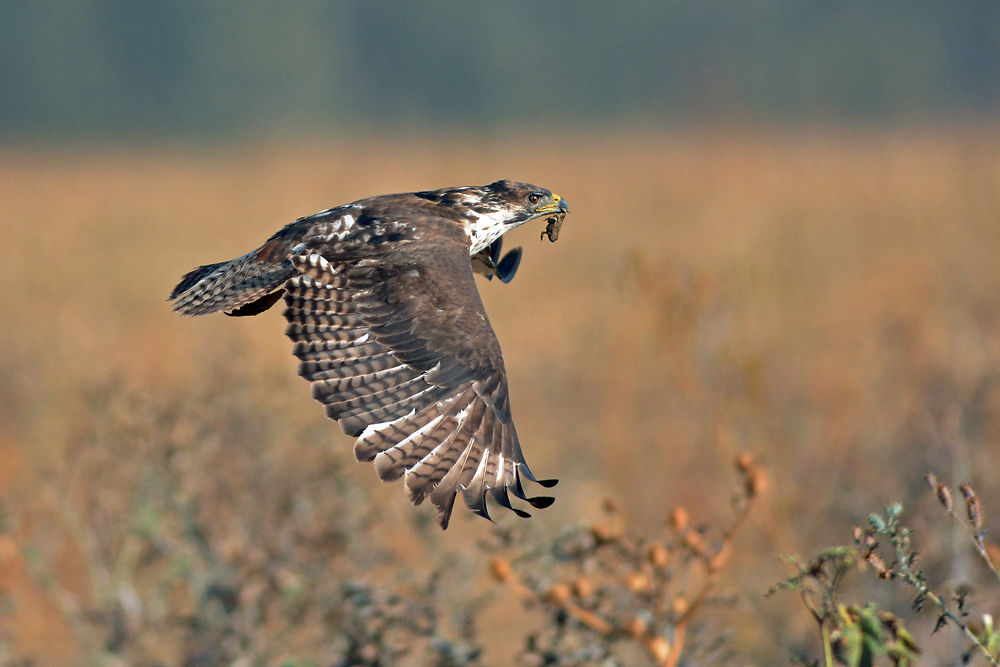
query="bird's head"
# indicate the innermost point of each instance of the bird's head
(525, 201)
(505, 204)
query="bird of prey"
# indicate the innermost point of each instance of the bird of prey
(389, 328)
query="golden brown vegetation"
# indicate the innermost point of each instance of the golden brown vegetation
(825, 300)
(623, 588)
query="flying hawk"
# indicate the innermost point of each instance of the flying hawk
(389, 328)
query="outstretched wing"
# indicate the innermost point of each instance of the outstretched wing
(396, 342)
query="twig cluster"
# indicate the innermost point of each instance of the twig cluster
(604, 589)
(854, 635)
(198, 552)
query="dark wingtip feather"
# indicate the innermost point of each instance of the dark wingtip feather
(540, 502)
(523, 469)
(507, 267)
(499, 494)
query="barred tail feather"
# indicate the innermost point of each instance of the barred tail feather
(246, 285)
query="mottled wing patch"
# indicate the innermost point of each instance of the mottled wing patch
(421, 406)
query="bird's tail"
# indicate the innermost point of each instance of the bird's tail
(247, 285)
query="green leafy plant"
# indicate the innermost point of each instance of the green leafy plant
(857, 635)
(850, 634)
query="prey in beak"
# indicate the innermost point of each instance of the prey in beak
(558, 208)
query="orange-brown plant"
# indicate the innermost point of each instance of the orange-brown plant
(602, 587)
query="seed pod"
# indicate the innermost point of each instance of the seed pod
(756, 482)
(603, 533)
(501, 569)
(635, 627)
(695, 543)
(659, 648)
(658, 555)
(943, 496)
(679, 604)
(582, 588)
(637, 582)
(557, 594)
(972, 507)
(878, 565)
(932, 480)
(716, 562)
(678, 518)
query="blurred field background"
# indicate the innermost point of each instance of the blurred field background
(784, 241)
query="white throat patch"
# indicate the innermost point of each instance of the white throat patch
(485, 228)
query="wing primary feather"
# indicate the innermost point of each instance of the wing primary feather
(376, 438)
(363, 383)
(357, 422)
(440, 458)
(415, 403)
(499, 494)
(312, 333)
(344, 362)
(444, 494)
(475, 500)
(547, 483)
(474, 494)
(393, 462)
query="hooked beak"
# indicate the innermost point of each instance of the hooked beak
(558, 205)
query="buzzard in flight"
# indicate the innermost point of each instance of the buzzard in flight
(390, 330)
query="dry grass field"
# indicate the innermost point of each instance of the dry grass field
(828, 301)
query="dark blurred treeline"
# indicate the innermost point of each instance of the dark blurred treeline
(124, 67)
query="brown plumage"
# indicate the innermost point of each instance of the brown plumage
(387, 323)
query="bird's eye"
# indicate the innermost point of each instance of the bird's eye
(533, 198)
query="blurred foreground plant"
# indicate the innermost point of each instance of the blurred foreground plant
(854, 635)
(209, 532)
(604, 591)
(202, 530)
